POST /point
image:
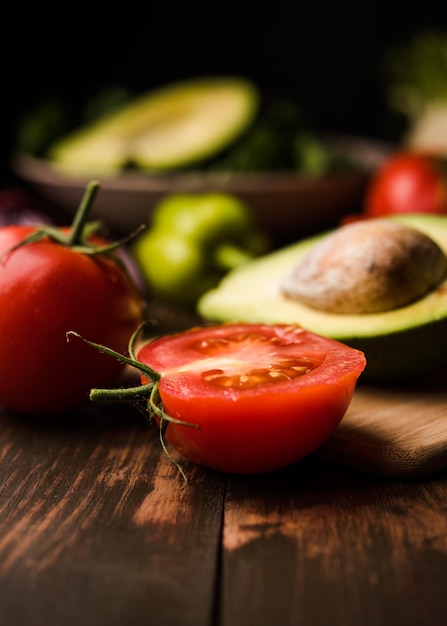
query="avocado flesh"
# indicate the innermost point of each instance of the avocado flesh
(399, 344)
(165, 129)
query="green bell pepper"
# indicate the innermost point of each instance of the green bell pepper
(193, 241)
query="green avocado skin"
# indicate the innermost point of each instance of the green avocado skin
(405, 345)
(400, 357)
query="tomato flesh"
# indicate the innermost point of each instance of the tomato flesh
(258, 397)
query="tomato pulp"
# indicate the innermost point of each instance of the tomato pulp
(258, 397)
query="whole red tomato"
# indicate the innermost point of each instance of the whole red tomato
(46, 289)
(254, 397)
(408, 182)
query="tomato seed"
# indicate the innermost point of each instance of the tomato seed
(272, 373)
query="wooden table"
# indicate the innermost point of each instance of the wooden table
(96, 529)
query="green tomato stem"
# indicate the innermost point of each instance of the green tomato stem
(80, 219)
(130, 360)
(149, 392)
(79, 234)
(126, 394)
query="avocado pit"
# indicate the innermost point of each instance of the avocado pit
(367, 267)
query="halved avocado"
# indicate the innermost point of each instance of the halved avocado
(165, 129)
(403, 343)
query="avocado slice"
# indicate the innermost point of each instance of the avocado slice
(400, 344)
(167, 128)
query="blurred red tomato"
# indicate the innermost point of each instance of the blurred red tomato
(408, 182)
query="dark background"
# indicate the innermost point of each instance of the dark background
(327, 55)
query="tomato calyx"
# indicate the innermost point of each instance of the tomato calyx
(78, 236)
(147, 393)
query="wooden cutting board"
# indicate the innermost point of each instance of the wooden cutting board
(399, 433)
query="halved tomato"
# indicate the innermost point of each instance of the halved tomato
(256, 397)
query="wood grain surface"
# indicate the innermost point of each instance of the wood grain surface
(323, 546)
(98, 529)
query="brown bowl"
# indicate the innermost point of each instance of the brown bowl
(289, 205)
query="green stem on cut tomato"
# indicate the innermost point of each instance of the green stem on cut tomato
(156, 407)
(127, 360)
(149, 392)
(125, 394)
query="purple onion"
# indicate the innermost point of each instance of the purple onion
(18, 207)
